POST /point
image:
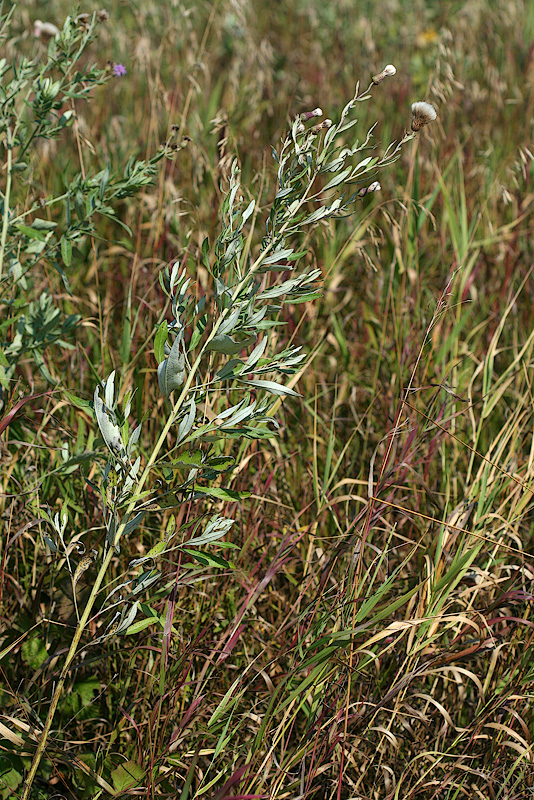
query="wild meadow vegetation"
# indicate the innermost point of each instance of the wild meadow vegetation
(266, 400)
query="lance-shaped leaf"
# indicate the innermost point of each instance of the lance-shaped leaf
(272, 387)
(171, 372)
(127, 617)
(187, 423)
(225, 344)
(109, 430)
(215, 529)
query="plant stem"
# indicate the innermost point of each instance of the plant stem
(7, 194)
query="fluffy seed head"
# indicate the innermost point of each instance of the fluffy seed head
(422, 114)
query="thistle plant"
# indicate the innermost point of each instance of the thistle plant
(217, 365)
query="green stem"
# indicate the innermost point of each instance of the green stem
(7, 195)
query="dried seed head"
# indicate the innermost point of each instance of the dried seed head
(83, 19)
(326, 123)
(45, 30)
(422, 114)
(317, 112)
(388, 70)
(102, 15)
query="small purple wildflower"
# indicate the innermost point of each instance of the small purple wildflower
(119, 70)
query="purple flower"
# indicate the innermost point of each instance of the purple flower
(119, 70)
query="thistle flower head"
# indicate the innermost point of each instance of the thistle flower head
(119, 70)
(422, 114)
(388, 70)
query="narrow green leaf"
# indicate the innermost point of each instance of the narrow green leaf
(66, 250)
(159, 342)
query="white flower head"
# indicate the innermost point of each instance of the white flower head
(422, 114)
(45, 30)
(387, 72)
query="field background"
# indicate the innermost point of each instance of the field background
(374, 638)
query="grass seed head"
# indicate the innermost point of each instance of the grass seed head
(422, 114)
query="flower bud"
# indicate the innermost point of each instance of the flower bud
(388, 70)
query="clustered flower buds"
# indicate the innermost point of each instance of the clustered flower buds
(45, 30)
(373, 187)
(422, 114)
(388, 70)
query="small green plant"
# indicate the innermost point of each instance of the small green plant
(37, 104)
(218, 368)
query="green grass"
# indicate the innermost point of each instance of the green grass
(373, 638)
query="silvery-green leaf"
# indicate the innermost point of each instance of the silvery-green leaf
(242, 414)
(229, 411)
(171, 372)
(339, 178)
(229, 324)
(145, 580)
(283, 192)
(127, 618)
(257, 317)
(132, 441)
(187, 423)
(109, 394)
(225, 344)
(257, 352)
(248, 211)
(272, 387)
(174, 275)
(110, 432)
(215, 529)
(278, 255)
(127, 404)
